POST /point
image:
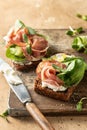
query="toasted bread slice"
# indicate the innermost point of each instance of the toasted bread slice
(24, 67)
(61, 95)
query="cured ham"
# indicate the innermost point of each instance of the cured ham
(47, 63)
(47, 73)
(38, 44)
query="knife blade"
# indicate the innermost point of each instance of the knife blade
(20, 90)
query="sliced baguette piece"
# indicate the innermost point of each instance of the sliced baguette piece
(63, 95)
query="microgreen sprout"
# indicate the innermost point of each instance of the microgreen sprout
(74, 32)
(79, 105)
(4, 115)
(83, 17)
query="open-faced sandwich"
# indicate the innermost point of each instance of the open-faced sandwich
(24, 46)
(58, 76)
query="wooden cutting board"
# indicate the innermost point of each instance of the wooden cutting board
(58, 42)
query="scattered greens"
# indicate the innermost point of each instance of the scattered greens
(4, 115)
(80, 43)
(83, 17)
(74, 32)
(74, 71)
(79, 105)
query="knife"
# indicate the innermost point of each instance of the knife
(16, 84)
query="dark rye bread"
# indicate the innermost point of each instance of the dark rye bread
(25, 67)
(63, 95)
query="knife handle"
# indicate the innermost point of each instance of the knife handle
(38, 116)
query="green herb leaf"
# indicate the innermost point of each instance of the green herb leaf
(4, 115)
(70, 33)
(28, 47)
(74, 32)
(79, 105)
(59, 69)
(19, 24)
(80, 43)
(31, 31)
(29, 50)
(25, 38)
(79, 30)
(84, 17)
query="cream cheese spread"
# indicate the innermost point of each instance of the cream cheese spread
(27, 62)
(53, 87)
(10, 74)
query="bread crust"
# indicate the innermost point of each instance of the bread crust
(63, 95)
(25, 67)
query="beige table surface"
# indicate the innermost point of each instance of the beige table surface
(40, 14)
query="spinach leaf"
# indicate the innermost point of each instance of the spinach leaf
(74, 72)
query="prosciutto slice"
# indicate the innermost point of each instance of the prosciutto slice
(47, 73)
(38, 44)
(48, 63)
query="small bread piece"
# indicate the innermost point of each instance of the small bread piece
(24, 67)
(63, 95)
